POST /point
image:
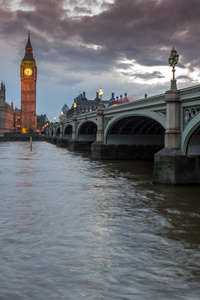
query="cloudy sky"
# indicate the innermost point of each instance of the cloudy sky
(82, 45)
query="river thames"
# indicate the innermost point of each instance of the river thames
(73, 228)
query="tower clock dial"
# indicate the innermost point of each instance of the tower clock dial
(28, 72)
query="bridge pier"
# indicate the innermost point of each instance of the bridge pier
(173, 132)
(97, 150)
(63, 143)
(74, 145)
(123, 152)
(170, 165)
(48, 139)
(53, 140)
(98, 147)
(61, 130)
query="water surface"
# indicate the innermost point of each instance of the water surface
(73, 228)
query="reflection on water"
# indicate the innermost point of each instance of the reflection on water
(73, 228)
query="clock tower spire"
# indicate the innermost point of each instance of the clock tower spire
(28, 88)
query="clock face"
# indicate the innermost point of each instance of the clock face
(28, 72)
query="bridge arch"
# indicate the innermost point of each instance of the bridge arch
(191, 137)
(86, 131)
(135, 130)
(67, 134)
(57, 131)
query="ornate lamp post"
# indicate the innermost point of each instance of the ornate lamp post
(54, 119)
(100, 95)
(75, 105)
(173, 60)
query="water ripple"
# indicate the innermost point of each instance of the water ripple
(73, 228)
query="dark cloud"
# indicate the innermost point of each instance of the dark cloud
(105, 5)
(144, 76)
(140, 29)
(184, 77)
(124, 66)
(84, 10)
(90, 2)
(132, 29)
(137, 30)
(73, 2)
(148, 76)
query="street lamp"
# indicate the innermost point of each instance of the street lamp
(61, 114)
(100, 95)
(75, 105)
(173, 60)
(54, 119)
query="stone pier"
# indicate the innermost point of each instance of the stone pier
(98, 147)
(170, 165)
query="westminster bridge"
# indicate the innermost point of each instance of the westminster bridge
(164, 127)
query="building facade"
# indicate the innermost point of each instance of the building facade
(82, 105)
(2, 109)
(6, 113)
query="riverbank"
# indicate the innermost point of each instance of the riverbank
(22, 137)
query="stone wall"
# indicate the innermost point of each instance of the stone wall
(124, 152)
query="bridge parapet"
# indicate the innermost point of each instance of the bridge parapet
(135, 104)
(190, 93)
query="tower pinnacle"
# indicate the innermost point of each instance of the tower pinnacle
(28, 45)
(28, 50)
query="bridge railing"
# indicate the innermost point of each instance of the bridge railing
(190, 92)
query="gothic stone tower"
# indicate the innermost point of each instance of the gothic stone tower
(28, 88)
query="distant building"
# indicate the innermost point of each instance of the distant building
(64, 113)
(118, 100)
(41, 121)
(82, 105)
(9, 117)
(16, 120)
(6, 113)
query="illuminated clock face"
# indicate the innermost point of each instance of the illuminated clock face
(28, 72)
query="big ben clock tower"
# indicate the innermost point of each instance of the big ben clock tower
(28, 88)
